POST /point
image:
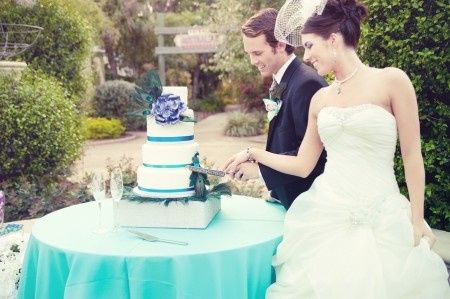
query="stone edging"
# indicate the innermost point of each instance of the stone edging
(127, 137)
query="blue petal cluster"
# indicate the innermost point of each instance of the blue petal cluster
(167, 109)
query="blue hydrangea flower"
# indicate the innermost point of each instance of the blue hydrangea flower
(167, 109)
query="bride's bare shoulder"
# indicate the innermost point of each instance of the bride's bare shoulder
(319, 100)
(390, 75)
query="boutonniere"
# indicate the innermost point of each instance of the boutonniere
(273, 103)
(272, 108)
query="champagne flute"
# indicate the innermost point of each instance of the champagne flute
(97, 188)
(116, 186)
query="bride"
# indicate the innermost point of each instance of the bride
(353, 235)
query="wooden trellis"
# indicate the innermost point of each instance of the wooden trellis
(161, 51)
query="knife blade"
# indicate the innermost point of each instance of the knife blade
(206, 170)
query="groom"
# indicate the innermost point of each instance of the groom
(294, 83)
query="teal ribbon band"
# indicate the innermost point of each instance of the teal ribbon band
(166, 166)
(170, 139)
(166, 190)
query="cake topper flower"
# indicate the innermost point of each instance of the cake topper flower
(166, 108)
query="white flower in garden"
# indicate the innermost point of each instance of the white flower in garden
(11, 258)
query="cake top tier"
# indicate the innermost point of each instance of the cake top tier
(181, 91)
(167, 104)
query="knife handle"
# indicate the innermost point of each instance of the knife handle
(173, 242)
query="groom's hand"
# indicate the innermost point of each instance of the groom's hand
(247, 171)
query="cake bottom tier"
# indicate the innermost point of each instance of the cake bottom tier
(163, 183)
(178, 214)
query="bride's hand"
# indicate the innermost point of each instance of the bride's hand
(421, 230)
(233, 162)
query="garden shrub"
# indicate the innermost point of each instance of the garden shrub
(102, 128)
(40, 127)
(414, 36)
(252, 188)
(26, 199)
(177, 77)
(251, 93)
(114, 99)
(63, 49)
(245, 124)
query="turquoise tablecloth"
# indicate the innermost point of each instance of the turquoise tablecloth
(231, 259)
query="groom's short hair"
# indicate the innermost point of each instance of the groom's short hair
(263, 22)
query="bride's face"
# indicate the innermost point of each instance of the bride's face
(318, 52)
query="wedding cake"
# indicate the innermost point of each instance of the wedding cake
(166, 154)
(169, 149)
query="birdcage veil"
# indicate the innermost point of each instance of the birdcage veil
(292, 17)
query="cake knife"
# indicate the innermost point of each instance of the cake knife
(207, 171)
(151, 238)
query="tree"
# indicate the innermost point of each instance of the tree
(64, 47)
(227, 17)
(203, 81)
(131, 42)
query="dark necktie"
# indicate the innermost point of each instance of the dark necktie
(272, 88)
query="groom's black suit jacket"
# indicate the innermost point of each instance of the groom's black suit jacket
(287, 129)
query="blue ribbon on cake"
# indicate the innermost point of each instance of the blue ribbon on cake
(170, 139)
(166, 190)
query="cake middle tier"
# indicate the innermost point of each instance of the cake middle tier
(168, 155)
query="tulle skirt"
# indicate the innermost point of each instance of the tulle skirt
(339, 246)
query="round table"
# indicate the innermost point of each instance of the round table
(230, 259)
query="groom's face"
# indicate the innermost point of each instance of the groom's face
(267, 59)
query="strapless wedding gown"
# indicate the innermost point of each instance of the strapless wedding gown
(350, 236)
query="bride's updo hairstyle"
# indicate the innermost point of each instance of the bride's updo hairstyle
(344, 16)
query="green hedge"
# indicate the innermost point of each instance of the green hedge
(40, 127)
(414, 36)
(245, 124)
(102, 128)
(63, 48)
(114, 99)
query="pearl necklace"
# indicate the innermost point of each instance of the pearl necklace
(340, 82)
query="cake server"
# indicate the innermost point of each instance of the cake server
(151, 238)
